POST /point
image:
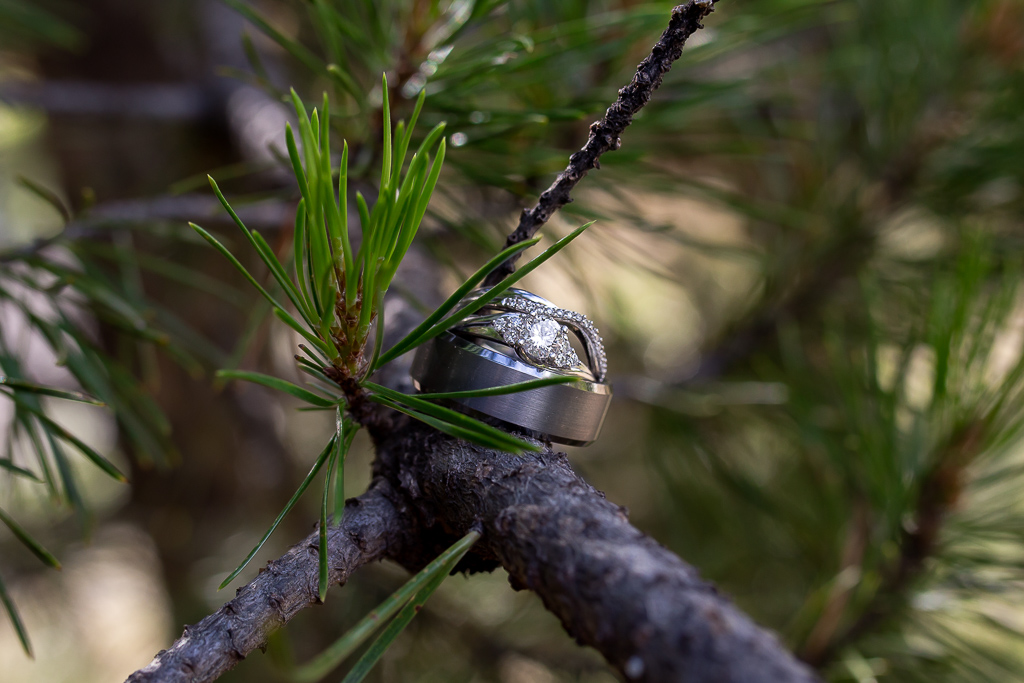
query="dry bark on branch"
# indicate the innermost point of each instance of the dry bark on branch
(371, 527)
(613, 587)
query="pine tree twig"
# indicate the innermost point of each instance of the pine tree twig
(940, 490)
(265, 216)
(160, 101)
(613, 587)
(604, 134)
(370, 527)
(832, 266)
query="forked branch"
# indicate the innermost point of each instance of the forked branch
(370, 528)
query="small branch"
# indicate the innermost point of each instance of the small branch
(370, 527)
(266, 216)
(939, 493)
(160, 101)
(604, 134)
(613, 587)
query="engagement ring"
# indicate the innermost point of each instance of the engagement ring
(517, 338)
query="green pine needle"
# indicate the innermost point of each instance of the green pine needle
(411, 609)
(22, 385)
(44, 555)
(236, 263)
(279, 384)
(323, 551)
(414, 338)
(16, 622)
(514, 388)
(328, 450)
(52, 427)
(450, 421)
(428, 577)
(437, 325)
(20, 471)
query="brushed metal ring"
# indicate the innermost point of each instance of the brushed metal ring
(570, 413)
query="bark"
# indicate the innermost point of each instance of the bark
(370, 527)
(613, 587)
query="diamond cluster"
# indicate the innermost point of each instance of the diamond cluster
(539, 338)
(534, 328)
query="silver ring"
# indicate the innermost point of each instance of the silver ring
(538, 331)
(482, 353)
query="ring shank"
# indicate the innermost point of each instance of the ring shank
(567, 413)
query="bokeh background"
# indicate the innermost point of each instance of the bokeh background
(806, 268)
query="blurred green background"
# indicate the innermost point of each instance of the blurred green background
(806, 268)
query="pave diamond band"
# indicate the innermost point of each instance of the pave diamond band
(538, 332)
(539, 338)
(515, 339)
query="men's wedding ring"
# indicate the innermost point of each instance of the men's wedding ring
(517, 338)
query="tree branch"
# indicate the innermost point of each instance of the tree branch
(160, 101)
(604, 134)
(613, 587)
(939, 492)
(266, 216)
(370, 528)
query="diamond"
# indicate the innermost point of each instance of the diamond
(538, 339)
(530, 328)
(543, 333)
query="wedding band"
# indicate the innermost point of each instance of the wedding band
(522, 337)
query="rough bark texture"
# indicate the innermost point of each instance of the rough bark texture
(604, 134)
(370, 528)
(613, 587)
